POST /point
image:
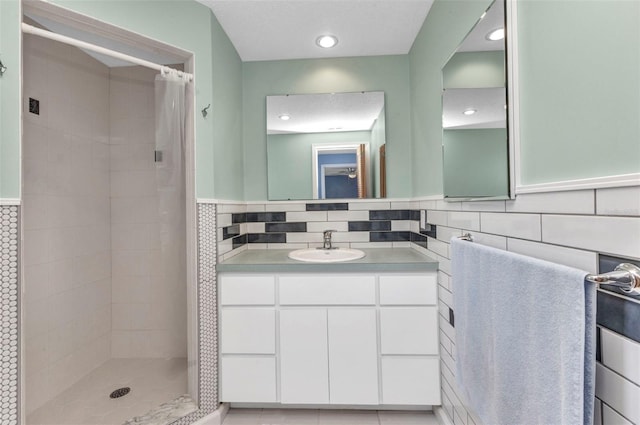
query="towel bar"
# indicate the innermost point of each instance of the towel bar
(626, 276)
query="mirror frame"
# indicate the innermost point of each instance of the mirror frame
(512, 101)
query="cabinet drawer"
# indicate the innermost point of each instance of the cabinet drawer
(248, 379)
(411, 380)
(409, 330)
(328, 289)
(411, 289)
(248, 331)
(247, 290)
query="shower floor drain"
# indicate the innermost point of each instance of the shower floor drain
(120, 392)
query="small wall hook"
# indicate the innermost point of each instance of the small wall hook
(3, 69)
(205, 112)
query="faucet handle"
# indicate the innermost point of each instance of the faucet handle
(329, 232)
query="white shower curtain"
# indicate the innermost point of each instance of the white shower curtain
(174, 115)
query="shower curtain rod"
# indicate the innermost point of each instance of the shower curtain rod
(30, 29)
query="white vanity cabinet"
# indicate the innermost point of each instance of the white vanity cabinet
(248, 338)
(330, 339)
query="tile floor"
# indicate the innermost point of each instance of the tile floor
(152, 382)
(327, 417)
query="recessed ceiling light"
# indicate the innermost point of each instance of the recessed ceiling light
(470, 111)
(326, 41)
(284, 117)
(495, 35)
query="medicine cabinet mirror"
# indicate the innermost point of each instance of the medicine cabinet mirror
(326, 146)
(475, 141)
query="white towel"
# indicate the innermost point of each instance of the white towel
(525, 337)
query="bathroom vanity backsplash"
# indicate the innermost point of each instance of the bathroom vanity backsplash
(371, 224)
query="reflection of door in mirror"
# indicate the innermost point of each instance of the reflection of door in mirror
(383, 171)
(339, 171)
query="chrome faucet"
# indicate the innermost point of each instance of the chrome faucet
(327, 239)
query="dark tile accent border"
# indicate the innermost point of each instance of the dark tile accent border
(285, 227)
(366, 226)
(619, 315)
(418, 239)
(338, 206)
(267, 238)
(238, 241)
(390, 215)
(452, 318)
(237, 218)
(431, 231)
(267, 217)
(230, 231)
(598, 346)
(414, 215)
(389, 236)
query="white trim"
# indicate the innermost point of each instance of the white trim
(10, 202)
(315, 201)
(513, 95)
(622, 180)
(29, 29)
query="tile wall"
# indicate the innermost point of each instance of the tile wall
(67, 259)
(380, 224)
(571, 228)
(149, 313)
(575, 228)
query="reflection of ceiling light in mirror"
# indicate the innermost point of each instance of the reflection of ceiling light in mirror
(326, 41)
(469, 111)
(495, 35)
(284, 117)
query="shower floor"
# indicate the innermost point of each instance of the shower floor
(152, 382)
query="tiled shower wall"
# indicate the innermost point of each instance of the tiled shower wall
(572, 228)
(149, 313)
(67, 260)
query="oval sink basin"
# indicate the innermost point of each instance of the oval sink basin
(314, 255)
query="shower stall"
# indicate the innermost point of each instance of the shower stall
(106, 317)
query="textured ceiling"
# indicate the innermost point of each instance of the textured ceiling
(287, 29)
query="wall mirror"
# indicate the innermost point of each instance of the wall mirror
(475, 141)
(326, 146)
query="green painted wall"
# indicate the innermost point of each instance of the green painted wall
(10, 99)
(578, 82)
(579, 89)
(290, 161)
(385, 73)
(447, 24)
(475, 163)
(474, 70)
(192, 26)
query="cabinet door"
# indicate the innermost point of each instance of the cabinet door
(353, 356)
(304, 375)
(248, 379)
(248, 330)
(409, 330)
(411, 380)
